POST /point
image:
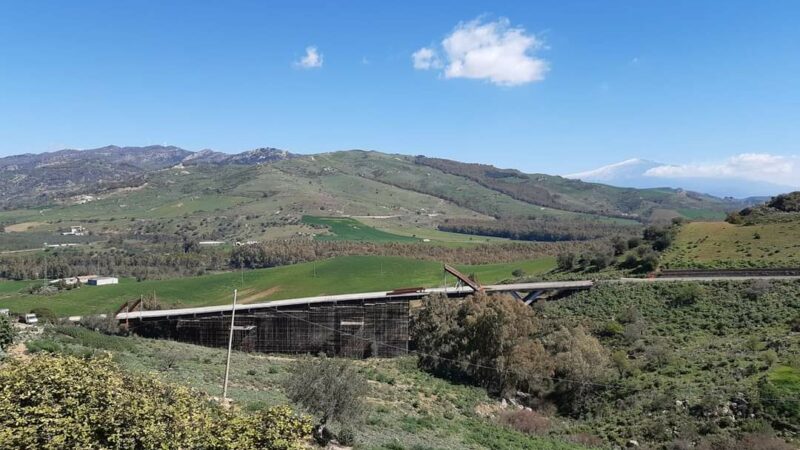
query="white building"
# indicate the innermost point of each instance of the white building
(103, 281)
(75, 231)
(211, 242)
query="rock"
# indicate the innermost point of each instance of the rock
(632, 444)
(504, 403)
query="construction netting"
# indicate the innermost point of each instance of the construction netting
(353, 329)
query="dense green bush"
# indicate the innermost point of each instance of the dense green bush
(67, 402)
(7, 332)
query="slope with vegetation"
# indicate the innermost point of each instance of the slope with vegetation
(767, 235)
(404, 407)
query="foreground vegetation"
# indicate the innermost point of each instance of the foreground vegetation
(405, 408)
(697, 364)
(56, 402)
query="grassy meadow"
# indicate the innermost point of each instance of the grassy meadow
(721, 244)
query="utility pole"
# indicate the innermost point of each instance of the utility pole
(230, 347)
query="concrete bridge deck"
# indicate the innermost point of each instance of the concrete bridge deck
(380, 295)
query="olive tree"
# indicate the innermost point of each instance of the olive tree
(330, 389)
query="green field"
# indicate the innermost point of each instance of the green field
(721, 244)
(333, 276)
(347, 229)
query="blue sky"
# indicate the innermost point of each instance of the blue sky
(682, 82)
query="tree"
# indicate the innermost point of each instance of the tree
(330, 389)
(581, 362)
(7, 332)
(565, 261)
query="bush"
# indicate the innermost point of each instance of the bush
(330, 389)
(105, 325)
(525, 421)
(565, 261)
(66, 402)
(45, 315)
(346, 436)
(7, 332)
(686, 294)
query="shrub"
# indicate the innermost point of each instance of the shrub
(45, 315)
(105, 325)
(330, 389)
(612, 328)
(582, 364)
(686, 294)
(525, 421)
(757, 289)
(66, 402)
(565, 261)
(346, 436)
(7, 332)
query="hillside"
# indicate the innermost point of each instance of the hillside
(766, 235)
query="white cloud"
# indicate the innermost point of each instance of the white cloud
(426, 58)
(764, 167)
(311, 60)
(492, 51)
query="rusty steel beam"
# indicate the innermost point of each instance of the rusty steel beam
(464, 279)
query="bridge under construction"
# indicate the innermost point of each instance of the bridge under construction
(351, 325)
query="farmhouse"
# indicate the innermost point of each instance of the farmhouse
(74, 231)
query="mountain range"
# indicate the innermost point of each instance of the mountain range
(642, 173)
(346, 182)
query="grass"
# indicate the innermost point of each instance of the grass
(347, 229)
(721, 244)
(406, 407)
(333, 276)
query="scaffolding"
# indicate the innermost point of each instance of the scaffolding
(356, 329)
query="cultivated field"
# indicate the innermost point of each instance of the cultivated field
(332, 276)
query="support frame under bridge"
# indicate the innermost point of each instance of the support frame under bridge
(354, 325)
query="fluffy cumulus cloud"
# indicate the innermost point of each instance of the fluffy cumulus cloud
(750, 166)
(311, 60)
(492, 51)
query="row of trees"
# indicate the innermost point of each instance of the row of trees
(499, 343)
(548, 229)
(190, 259)
(639, 254)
